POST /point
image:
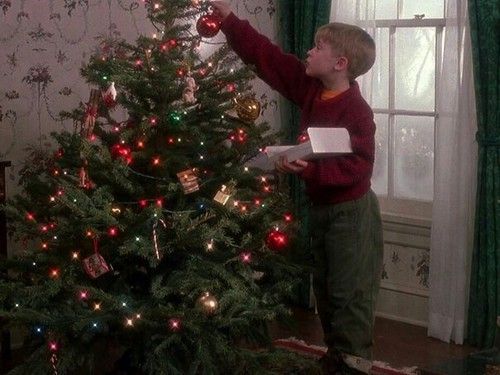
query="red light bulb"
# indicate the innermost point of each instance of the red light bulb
(54, 273)
(174, 324)
(246, 257)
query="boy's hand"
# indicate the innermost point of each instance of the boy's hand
(221, 9)
(284, 166)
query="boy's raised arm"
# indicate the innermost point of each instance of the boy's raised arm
(283, 72)
(221, 8)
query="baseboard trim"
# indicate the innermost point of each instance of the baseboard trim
(16, 344)
(401, 319)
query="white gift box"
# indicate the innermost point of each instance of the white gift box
(322, 143)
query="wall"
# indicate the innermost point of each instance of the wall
(404, 293)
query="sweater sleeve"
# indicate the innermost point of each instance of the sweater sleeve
(349, 169)
(285, 73)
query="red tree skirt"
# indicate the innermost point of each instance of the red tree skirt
(314, 351)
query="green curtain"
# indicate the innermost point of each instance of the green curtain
(298, 21)
(484, 303)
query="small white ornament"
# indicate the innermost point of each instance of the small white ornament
(189, 90)
(111, 91)
(109, 96)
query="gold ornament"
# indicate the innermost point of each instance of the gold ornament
(247, 108)
(116, 210)
(207, 303)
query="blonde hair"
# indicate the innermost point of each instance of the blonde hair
(352, 42)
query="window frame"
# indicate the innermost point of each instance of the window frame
(390, 204)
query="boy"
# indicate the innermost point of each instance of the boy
(346, 228)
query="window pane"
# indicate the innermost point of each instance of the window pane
(431, 8)
(386, 9)
(344, 11)
(415, 68)
(414, 157)
(380, 86)
(379, 178)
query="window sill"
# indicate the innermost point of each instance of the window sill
(407, 220)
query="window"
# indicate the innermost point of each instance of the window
(401, 89)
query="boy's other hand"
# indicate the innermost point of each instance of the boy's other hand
(221, 9)
(284, 166)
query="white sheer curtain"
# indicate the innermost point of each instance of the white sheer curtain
(454, 182)
(455, 161)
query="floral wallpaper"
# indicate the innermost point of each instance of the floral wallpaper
(406, 269)
(43, 44)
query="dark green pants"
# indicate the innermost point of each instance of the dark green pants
(347, 249)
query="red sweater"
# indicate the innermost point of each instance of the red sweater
(330, 180)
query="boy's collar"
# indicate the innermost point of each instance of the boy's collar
(352, 89)
(339, 88)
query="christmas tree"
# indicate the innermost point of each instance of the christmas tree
(147, 245)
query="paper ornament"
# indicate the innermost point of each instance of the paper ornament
(224, 194)
(95, 265)
(189, 181)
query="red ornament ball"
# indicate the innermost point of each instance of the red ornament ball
(122, 151)
(277, 240)
(238, 136)
(208, 25)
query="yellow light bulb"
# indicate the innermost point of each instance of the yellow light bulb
(210, 245)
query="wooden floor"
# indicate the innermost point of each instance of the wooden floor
(398, 344)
